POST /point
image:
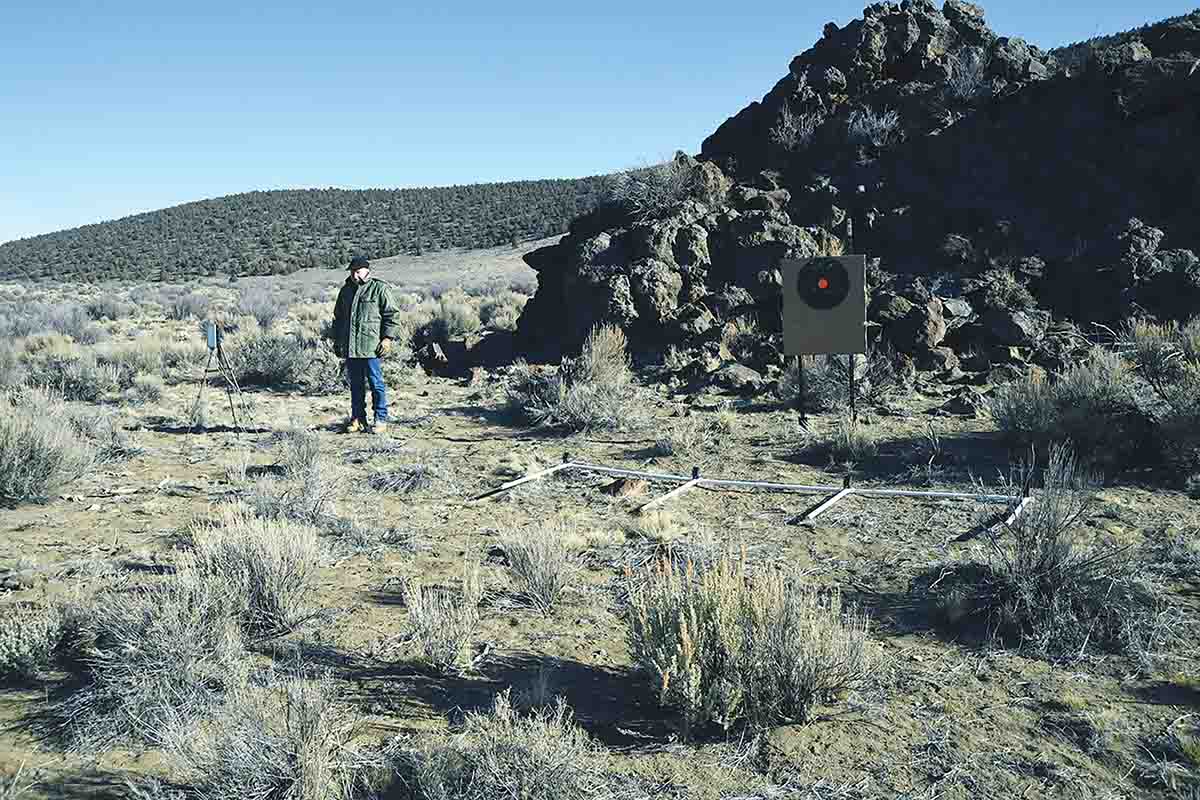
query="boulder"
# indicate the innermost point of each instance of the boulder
(966, 402)
(655, 287)
(921, 329)
(739, 378)
(1015, 328)
(936, 359)
(888, 307)
(692, 321)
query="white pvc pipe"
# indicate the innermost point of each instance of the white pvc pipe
(795, 487)
(789, 487)
(680, 489)
(819, 510)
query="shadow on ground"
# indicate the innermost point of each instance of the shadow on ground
(616, 706)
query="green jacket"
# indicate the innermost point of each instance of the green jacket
(362, 315)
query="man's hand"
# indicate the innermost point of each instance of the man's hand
(385, 346)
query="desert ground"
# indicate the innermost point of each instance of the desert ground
(940, 715)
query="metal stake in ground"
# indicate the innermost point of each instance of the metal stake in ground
(800, 392)
(853, 400)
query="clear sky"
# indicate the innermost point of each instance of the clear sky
(113, 108)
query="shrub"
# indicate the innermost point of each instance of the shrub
(29, 636)
(726, 648)
(100, 428)
(1093, 406)
(39, 454)
(108, 307)
(794, 131)
(592, 390)
(539, 560)
(500, 753)
(404, 479)
(74, 373)
(1175, 550)
(146, 389)
(652, 191)
(12, 370)
(827, 380)
(444, 622)
(501, 311)
(311, 485)
(190, 305)
(287, 739)
(70, 319)
(156, 657)
(265, 306)
(1040, 589)
(999, 290)
(741, 338)
(867, 126)
(268, 359)
(269, 567)
(1167, 357)
(852, 442)
(968, 79)
(455, 317)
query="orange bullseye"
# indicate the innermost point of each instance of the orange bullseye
(823, 283)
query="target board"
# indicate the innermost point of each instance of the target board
(824, 305)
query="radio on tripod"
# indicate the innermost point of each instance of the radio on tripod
(216, 352)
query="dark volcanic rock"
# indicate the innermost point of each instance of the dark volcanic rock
(1016, 328)
(1083, 183)
(739, 378)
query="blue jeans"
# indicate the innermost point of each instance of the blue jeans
(366, 370)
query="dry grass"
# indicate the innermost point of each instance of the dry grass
(591, 391)
(1041, 589)
(539, 560)
(39, 451)
(501, 754)
(444, 622)
(29, 637)
(269, 568)
(727, 648)
(152, 657)
(285, 740)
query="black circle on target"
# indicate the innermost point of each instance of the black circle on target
(823, 283)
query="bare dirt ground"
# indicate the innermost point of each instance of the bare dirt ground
(946, 718)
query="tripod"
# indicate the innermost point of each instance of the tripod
(212, 334)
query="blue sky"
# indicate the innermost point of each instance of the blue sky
(112, 108)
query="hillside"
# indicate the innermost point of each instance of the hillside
(968, 167)
(276, 232)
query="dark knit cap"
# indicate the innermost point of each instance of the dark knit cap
(358, 262)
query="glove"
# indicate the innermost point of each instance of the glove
(385, 347)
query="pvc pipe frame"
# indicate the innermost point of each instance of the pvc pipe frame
(692, 480)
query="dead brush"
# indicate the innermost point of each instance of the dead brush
(404, 479)
(29, 637)
(591, 391)
(39, 451)
(286, 738)
(502, 754)
(1039, 588)
(727, 649)
(443, 622)
(540, 561)
(270, 569)
(150, 657)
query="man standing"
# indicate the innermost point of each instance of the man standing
(364, 324)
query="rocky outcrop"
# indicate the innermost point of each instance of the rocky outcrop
(1082, 185)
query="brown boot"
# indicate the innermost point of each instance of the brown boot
(356, 426)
